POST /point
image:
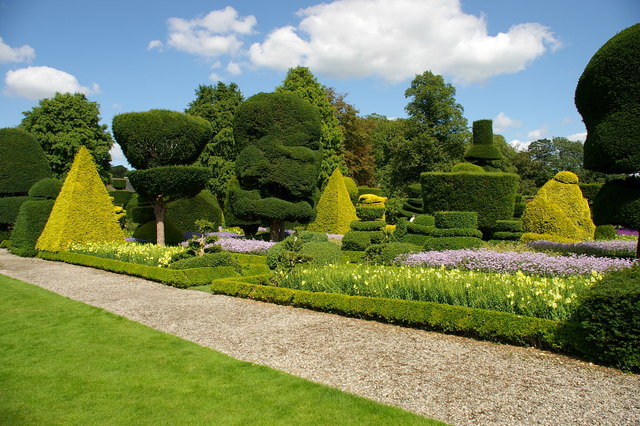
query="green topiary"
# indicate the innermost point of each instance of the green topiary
(122, 198)
(609, 314)
(370, 213)
(416, 239)
(47, 188)
(147, 233)
(452, 243)
(456, 219)
(321, 253)
(590, 190)
(368, 225)
(386, 254)
(414, 228)
(352, 188)
(293, 251)
(483, 150)
(510, 230)
(184, 212)
(491, 195)
(369, 190)
(559, 209)
(22, 162)
(83, 211)
(118, 183)
(139, 211)
(209, 260)
(312, 237)
(9, 208)
(360, 240)
(456, 232)
(624, 194)
(605, 232)
(425, 220)
(532, 236)
(335, 211)
(467, 167)
(29, 224)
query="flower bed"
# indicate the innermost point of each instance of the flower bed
(613, 248)
(512, 262)
(536, 296)
(241, 245)
(132, 252)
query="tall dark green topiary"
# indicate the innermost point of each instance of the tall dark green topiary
(22, 163)
(483, 151)
(608, 98)
(161, 144)
(279, 163)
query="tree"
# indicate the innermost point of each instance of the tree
(160, 144)
(64, 123)
(303, 83)
(218, 106)
(608, 98)
(358, 152)
(279, 165)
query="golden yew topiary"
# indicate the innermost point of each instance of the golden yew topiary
(559, 209)
(83, 211)
(335, 211)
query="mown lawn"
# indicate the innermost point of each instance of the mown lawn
(63, 362)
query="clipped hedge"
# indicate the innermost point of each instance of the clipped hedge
(181, 278)
(47, 188)
(425, 220)
(456, 219)
(468, 322)
(122, 198)
(416, 239)
(183, 213)
(491, 195)
(9, 208)
(360, 240)
(386, 254)
(624, 195)
(370, 213)
(452, 243)
(369, 190)
(22, 162)
(609, 314)
(208, 260)
(147, 232)
(29, 224)
(605, 232)
(335, 210)
(508, 230)
(119, 183)
(368, 225)
(415, 228)
(456, 232)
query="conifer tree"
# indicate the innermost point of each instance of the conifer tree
(83, 212)
(335, 211)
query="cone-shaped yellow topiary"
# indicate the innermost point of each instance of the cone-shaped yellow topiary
(335, 211)
(83, 211)
(559, 209)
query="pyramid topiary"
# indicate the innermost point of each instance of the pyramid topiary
(335, 211)
(83, 212)
(559, 210)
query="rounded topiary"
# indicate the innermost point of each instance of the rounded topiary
(184, 136)
(29, 224)
(483, 149)
(605, 232)
(352, 188)
(370, 213)
(22, 162)
(386, 254)
(147, 233)
(452, 243)
(559, 209)
(47, 188)
(335, 210)
(456, 220)
(121, 198)
(183, 213)
(624, 194)
(294, 250)
(467, 167)
(609, 314)
(608, 98)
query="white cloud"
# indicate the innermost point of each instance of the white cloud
(215, 77)
(536, 134)
(155, 44)
(23, 53)
(519, 145)
(213, 35)
(234, 68)
(502, 122)
(580, 137)
(116, 106)
(396, 39)
(117, 156)
(40, 82)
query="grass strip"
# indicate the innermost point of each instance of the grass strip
(63, 362)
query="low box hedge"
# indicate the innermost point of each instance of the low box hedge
(181, 278)
(469, 322)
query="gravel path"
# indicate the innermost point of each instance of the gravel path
(453, 379)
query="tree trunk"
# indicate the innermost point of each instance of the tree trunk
(159, 208)
(276, 230)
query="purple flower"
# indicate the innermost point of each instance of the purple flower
(242, 245)
(627, 231)
(612, 248)
(511, 262)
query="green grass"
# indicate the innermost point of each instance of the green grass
(63, 362)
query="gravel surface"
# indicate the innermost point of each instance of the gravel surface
(453, 379)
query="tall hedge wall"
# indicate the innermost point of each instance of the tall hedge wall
(625, 195)
(491, 195)
(22, 162)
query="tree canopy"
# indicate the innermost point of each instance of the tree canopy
(64, 123)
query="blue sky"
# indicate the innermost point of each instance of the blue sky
(515, 62)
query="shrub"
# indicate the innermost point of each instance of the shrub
(414, 228)
(184, 213)
(611, 248)
(458, 219)
(532, 236)
(9, 208)
(425, 220)
(209, 260)
(610, 316)
(456, 232)
(83, 211)
(370, 213)
(624, 194)
(47, 188)
(416, 239)
(467, 168)
(310, 236)
(335, 210)
(139, 211)
(321, 253)
(559, 209)
(360, 240)
(605, 232)
(29, 224)
(368, 190)
(491, 195)
(22, 162)
(147, 232)
(387, 254)
(293, 251)
(509, 226)
(590, 190)
(118, 183)
(368, 225)
(483, 150)
(121, 198)
(352, 189)
(452, 243)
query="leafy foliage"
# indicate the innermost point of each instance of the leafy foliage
(335, 211)
(64, 123)
(47, 188)
(83, 211)
(482, 152)
(22, 162)
(29, 224)
(184, 213)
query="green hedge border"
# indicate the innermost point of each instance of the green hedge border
(468, 322)
(180, 278)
